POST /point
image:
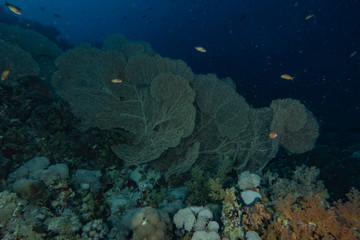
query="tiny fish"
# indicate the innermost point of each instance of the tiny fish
(287, 77)
(200, 49)
(5, 74)
(116, 80)
(309, 16)
(13, 8)
(353, 54)
(273, 135)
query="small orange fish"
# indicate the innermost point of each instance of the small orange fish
(116, 80)
(287, 77)
(13, 8)
(309, 16)
(5, 74)
(273, 135)
(200, 49)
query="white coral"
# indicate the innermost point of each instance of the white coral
(184, 218)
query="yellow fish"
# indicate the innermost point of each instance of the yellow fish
(287, 77)
(200, 49)
(5, 74)
(116, 80)
(13, 8)
(272, 135)
(309, 16)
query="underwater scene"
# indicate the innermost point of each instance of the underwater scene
(180, 119)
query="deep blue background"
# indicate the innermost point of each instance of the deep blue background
(251, 41)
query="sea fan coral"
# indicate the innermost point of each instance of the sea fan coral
(154, 102)
(19, 62)
(296, 126)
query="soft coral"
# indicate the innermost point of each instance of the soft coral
(311, 218)
(349, 212)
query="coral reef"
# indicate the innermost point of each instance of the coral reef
(159, 113)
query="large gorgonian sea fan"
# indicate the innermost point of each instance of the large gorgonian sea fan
(296, 126)
(154, 101)
(19, 62)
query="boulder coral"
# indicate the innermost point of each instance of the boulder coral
(150, 223)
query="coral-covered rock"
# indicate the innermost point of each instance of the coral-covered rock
(31, 190)
(96, 229)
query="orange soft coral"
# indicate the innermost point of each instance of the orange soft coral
(254, 217)
(349, 212)
(312, 219)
